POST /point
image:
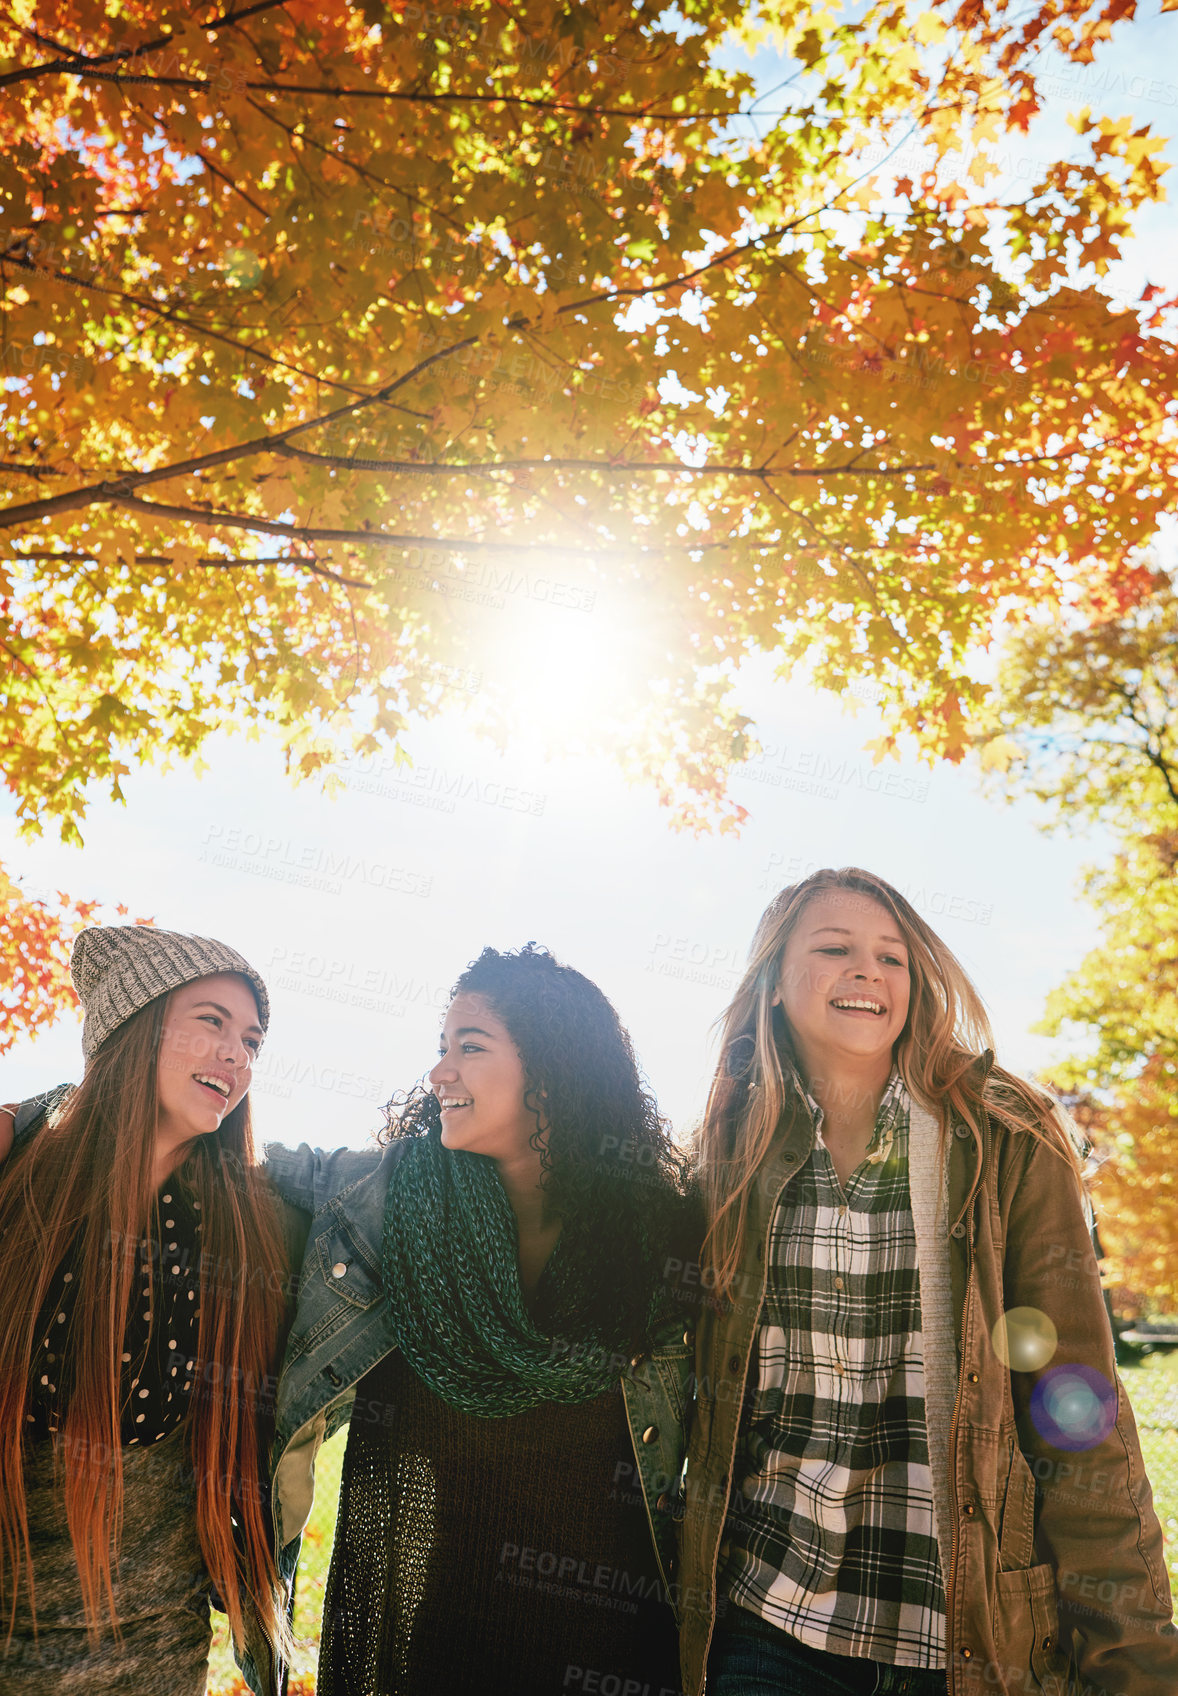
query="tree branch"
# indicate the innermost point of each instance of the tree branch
(388, 539)
(78, 63)
(361, 171)
(1152, 748)
(245, 12)
(35, 676)
(87, 70)
(30, 512)
(644, 468)
(171, 316)
(216, 171)
(19, 470)
(214, 562)
(484, 468)
(733, 252)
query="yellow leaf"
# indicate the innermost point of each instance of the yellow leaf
(999, 754)
(929, 29)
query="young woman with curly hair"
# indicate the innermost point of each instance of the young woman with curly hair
(912, 1468)
(144, 1265)
(492, 1301)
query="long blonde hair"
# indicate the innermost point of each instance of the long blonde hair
(84, 1188)
(937, 1053)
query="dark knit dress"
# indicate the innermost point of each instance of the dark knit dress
(491, 1557)
(160, 1582)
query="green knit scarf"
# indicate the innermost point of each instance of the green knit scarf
(451, 1282)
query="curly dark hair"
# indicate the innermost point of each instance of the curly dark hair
(631, 1222)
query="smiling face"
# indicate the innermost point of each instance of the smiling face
(844, 985)
(206, 1054)
(479, 1082)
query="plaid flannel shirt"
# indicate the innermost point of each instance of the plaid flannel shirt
(831, 1533)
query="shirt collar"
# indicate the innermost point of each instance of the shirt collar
(890, 1118)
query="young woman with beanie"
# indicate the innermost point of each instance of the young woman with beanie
(491, 1299)
(912, 1467)
(144, 1263)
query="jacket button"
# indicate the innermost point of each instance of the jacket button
(734, 1363)
(688, 1338)
(339, 1269)
(973, 1377)
(969, 1510)
(967, 1654)
(651, 1434)
(961, 1130)
(636, 1361)
(1047, 1642)
(958, 1231)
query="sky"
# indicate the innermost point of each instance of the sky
(361, 908)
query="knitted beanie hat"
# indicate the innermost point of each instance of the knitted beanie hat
(117, 969)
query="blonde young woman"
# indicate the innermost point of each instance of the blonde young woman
(912, 1467)
(144, 1264)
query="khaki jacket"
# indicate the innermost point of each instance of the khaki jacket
(1055, 1580)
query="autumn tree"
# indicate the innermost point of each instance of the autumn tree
(1136, 1189)
(1084, 716)
(306, 308)
(1120, 1005)
(36, 937)
(319, 323)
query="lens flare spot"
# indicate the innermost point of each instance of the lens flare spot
(1024, 1339)
(1074, 1407)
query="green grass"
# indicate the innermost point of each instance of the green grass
(1153, 1390)
(224, 1678)
(1152, 1385)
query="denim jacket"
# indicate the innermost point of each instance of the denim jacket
(342, 1330)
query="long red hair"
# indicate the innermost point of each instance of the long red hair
(84, 1188)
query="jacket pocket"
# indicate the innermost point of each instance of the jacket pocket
(1016, 1524)
(675, 1368)
(1026, 1631)
(343, 1270)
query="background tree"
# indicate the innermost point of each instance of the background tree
(1085, 715)
(1084, 718)
(1136, 1189)
(36, 937)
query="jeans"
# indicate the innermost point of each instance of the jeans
(749, 1657)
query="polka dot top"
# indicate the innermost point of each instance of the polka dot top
(159, 1345)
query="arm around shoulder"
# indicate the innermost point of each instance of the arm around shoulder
(308, 1178)
(20, 1121)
